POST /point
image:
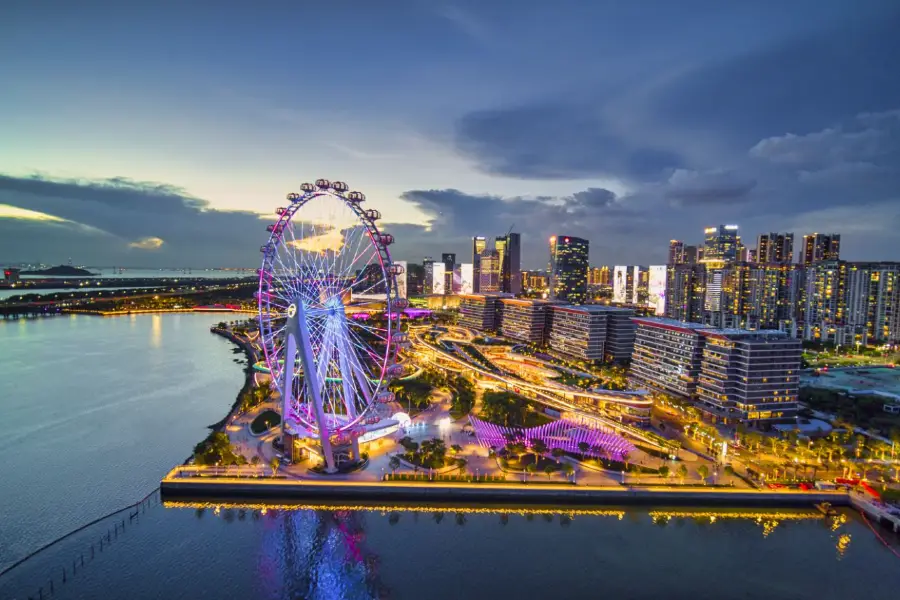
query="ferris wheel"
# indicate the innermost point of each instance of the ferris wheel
(330, 360)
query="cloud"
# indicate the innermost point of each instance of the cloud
(103, 222)
(556, 140)
(706, 187)
(147, 243)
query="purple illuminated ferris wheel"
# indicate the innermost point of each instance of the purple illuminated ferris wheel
(325, 258)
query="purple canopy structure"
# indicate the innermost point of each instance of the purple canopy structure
(558, 434)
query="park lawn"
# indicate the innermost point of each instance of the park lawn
(264, 421)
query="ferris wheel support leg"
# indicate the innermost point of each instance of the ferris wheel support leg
(298, 327)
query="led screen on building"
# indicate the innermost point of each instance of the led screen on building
(636, 284)
(656, 289)
(437, 278)
(620, 279)
(401, 279)
(467, 278)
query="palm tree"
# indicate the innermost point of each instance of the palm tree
(274, 463)
(530, 468)
(569, 470)
(394, 463)
(682, 472)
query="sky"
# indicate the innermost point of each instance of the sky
(165, 134)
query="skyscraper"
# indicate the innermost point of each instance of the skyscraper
(721, 244)
(428, 283)
(818, 247)
(449, 260)
(568, 268)
(775, 248)
(479, 243)
(509, 251)
(676, 252)
(489, 278)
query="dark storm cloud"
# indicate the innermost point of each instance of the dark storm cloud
(117, 220)
(693, 187)
(555, 141)
(594, 213)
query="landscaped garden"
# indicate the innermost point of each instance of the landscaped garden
(511, 410)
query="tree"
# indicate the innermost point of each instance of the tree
(703, 471)
(274, 464)
(664, 471)
(255, 460)
(516, 448)
(456, 448)
(394, 463)
(538, 447)
(549, 469)
(530, 468)
(568, 469)
(583, 447)
(682, 472)
(461, 465)
(729, 470)
(557, 453)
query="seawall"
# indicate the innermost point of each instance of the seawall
(477, 493)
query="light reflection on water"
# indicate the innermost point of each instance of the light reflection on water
(264, 551)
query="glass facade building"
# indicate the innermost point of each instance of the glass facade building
(568, 268)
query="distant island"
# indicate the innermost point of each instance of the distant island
(62, 271)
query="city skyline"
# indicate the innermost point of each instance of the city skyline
(462, 130)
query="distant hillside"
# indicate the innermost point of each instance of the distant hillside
(61, 271)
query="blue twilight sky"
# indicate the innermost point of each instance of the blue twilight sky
(156, 133)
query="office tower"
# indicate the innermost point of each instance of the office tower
(620, 332)
(639, 280)
(818, 247)
(676, 252)
(691, 255)
(523, 320)
(428, 271)
(667, 355)
(744, 253)
(721, 244)
(480, 311)
(449, 260)
(490, 271)
(479, 245)
(534, 281)
(568, 268)
(685, 292)
(415, 280)
(510, 262)
(750, 377)
(775, 248)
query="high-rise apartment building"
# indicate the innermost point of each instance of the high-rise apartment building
(479, 245)
(591, 332)
(692, 255)
(721, 244)
(568, 268)
(685, 292)
(449, 260)
(775, 248)
(598, 276)
(749, 376)
(818, 247)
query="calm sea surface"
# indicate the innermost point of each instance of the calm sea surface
(93, 411)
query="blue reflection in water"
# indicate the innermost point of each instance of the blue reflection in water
(317, 555)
